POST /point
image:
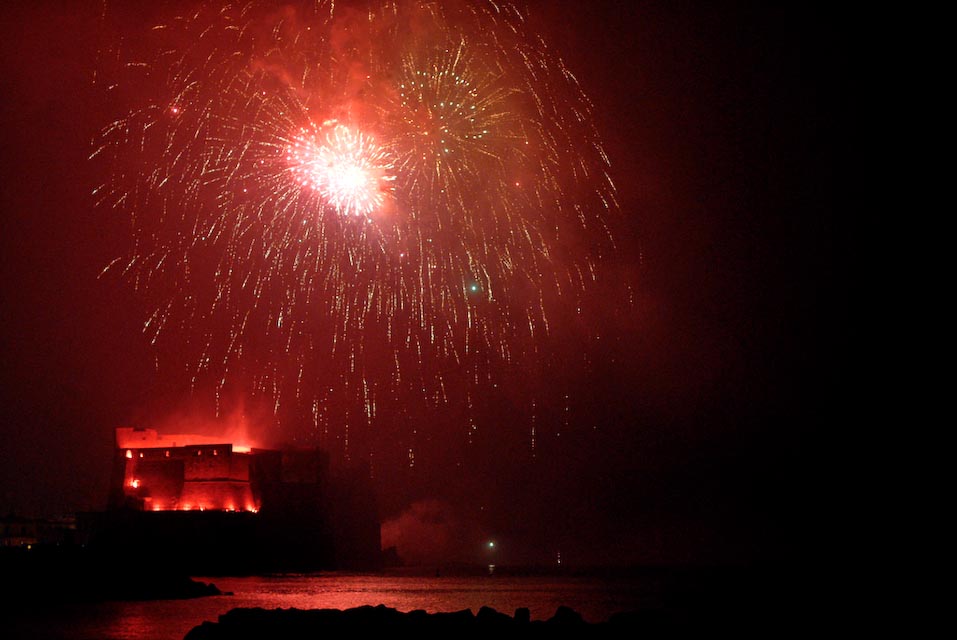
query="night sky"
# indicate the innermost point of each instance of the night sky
(699, 434)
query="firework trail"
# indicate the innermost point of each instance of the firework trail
(359, 205)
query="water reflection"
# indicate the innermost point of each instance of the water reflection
(595, 599)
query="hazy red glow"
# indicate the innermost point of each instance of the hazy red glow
(690, 422)
(253, 141)
(131, 439)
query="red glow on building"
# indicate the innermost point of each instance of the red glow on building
(185, 472)
(218, 506)
(141, 439)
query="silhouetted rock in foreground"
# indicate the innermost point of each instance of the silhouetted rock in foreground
(240, 624)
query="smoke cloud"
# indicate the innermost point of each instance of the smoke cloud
(429, 532)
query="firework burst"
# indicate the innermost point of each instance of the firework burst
(348, 171)
(350, 206)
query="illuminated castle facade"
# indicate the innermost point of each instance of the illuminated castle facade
(214, 506)
(184, 472)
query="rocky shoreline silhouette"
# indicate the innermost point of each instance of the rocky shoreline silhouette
(241, 623)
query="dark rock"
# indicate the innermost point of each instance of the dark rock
(487, 616)
(459, 619)
(378, 616)
(657, 621)
(416, 616)
(566, 616)
(242, 624)
(205, 631)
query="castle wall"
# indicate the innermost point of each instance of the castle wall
(205, 477)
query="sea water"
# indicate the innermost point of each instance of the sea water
(596, 598)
